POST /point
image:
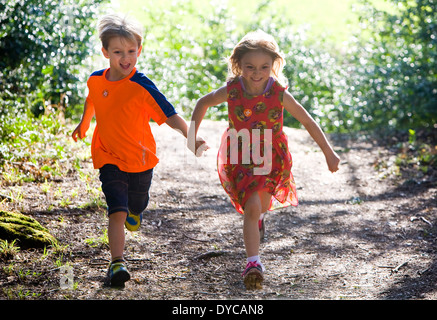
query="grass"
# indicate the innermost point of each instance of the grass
(8, 249)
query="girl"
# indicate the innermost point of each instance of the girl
(256, 97)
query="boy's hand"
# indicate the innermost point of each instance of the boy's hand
(80, 131)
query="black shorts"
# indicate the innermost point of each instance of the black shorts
(125, 191)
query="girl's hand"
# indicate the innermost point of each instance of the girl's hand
(80, 131)
(201, 146)
(333, 160)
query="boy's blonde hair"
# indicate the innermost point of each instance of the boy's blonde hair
(254, 41)
(114, 25)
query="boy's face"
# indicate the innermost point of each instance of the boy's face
(122, 54)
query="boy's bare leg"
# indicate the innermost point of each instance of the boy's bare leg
(116, 235)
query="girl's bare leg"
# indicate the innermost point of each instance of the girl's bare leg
(252, 211)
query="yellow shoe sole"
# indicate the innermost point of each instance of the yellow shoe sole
(133, 221)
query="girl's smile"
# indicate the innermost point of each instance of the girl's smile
(256, 67)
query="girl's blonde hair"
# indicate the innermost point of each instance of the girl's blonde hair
(254, 41)
(114, 25)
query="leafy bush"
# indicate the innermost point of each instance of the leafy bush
(386, 78)
(188, 60)
(185, 55)
(30, 148)
(43, 45)
(393, 70)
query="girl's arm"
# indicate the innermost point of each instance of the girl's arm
(82, 128)
(299, 112)
(211, 99)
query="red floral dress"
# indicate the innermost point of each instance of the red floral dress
(256, 160)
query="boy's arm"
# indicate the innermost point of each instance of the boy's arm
(82, 128)
(211, 99)
(299, 112)
(178, 123)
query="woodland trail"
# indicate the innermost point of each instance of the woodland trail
(355, 234)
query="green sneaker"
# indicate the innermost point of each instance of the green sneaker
(117, 273)
(133, 221)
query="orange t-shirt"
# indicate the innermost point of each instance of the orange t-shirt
(123, 110)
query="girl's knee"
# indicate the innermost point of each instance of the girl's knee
(256, 204)
(252, 210)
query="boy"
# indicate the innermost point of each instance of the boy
(123, 148)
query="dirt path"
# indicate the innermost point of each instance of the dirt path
(353, 236)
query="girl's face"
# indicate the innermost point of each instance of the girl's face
(256, 68)
(122, 54)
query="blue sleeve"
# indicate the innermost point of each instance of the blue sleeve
(166, 107)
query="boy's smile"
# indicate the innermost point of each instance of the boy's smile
(122, 54)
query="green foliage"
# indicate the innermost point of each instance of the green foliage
(8, 249)
(30, 149)
(19, 135)
(418, 155)
(384, 78)
(394, 68)
(42, 47)
(186, 58)
(98, 242)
